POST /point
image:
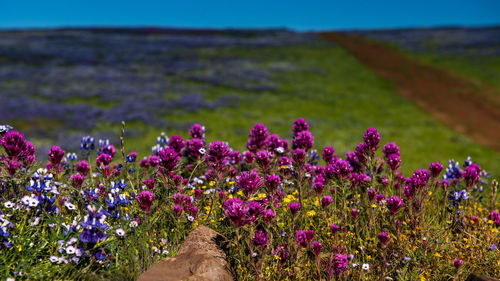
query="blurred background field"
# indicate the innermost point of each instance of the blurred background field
(58, 85)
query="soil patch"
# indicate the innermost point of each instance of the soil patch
(450, 99)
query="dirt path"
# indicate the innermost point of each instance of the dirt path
(447, 97)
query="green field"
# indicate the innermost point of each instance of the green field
(339, 98)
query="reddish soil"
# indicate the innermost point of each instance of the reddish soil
(449, 98)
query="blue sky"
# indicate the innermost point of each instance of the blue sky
(293, 14)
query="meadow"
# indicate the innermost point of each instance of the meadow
(61, 85)
(288, 211)
(91, 188)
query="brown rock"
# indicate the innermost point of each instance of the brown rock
(200, 258)
(478, 277)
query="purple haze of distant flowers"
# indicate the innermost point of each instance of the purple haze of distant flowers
(145, 199)
(372, 139)
(249, 182)
(303, 140)
(169, 159)
(394, 203)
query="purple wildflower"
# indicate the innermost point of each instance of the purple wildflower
(294, 208)
(435, 169)
(237, 211)
(319, 184)
(249, 182)
(300, 125)
(197, 131)
(217, 154)
(260, 238)
(372, 139)
(394, 161)
(303, 140)
(420, 178)
(145, 199)
(272, 182)
(169, 159)
(394, 203)
(176, 142)
(471, 174)
(383, 238)
(391, 148)
(329, 154)
(316, 246)
(326, 200)
(457, 263)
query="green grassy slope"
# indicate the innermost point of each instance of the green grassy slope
(340, 99)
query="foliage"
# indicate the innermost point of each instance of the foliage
(288, 211)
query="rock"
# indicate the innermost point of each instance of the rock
(200, 258)
(478, 277)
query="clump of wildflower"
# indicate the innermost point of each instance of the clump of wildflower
(303, 237)
(237, 211)
(258, 135)
(341, 169)
(326, 200)
(435, 169)
(197, 131)
(217, 154)
(334, 228)
(272, 182)
(294, 208)
(77, 180)
(316, 247)
(169, 159)
(268, 215)
(300, 125)
(458, 263)
(249, 182)
(260, 238)
(340, 263)
(319, 184)
(131, 157)
(420, 178)
(176, 142)
(303, 140)
(471, 174)
(145, 199)
(83, 168)
(103, 159)
(394, 203)
(372, 139)
(329, 154)
(383, 238)
(263, 158)
(495, 217)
